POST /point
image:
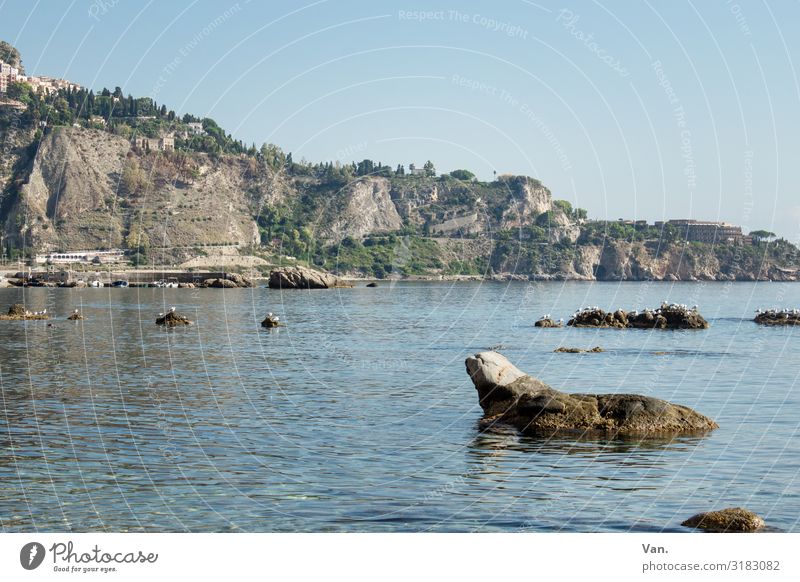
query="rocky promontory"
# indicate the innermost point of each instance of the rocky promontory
(668, 316)
(508, 395)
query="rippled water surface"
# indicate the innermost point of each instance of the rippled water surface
(359, 416)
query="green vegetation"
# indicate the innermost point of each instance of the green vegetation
(10, 55)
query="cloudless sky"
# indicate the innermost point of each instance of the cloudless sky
(645, 110)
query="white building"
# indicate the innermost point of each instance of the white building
(84, 257)
(8, 75)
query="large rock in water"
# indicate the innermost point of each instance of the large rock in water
(509, 395)
(300, 278)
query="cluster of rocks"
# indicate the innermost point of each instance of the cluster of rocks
(75, 316)
(508, 395)
(778, 317)
(668, 316)
(301, 278)
(731, 520)
(18, 312)
(547, 321)
(171, 319)
(563, 350)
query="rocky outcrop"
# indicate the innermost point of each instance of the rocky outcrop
(778, 317)
(362, 207)
(508, 395)
(731, 520)
(563, 350)
(301, 278)
(668, 316)
(75, 316)
(548, 322)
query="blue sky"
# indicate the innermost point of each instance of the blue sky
(644, 110)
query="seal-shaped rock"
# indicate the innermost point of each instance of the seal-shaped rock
(731, 520)
(509, 395)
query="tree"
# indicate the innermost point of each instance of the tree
(430, 171)
(464, 175)
(762, 235)
(10, 55)
(401, 171)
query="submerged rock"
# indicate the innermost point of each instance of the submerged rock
(563, 350)
(778, 317)
(301, 278)
(373, 284)
(731, 520)
(172, 319)
(509, 395)
(668, 316)
(547, 322)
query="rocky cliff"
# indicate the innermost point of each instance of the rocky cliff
(74, 188)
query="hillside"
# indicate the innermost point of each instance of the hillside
(74, 186)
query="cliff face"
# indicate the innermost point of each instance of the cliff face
(625, 261)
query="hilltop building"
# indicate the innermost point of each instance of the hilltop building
(47, 85)
(165, 143)
(8, 75)
(708, 232)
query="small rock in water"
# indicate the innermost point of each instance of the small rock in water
(731, 520)
(172, 319)
(75, 316)
(271, 321)
(373, 284)
(547, 322)
(563, 350)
